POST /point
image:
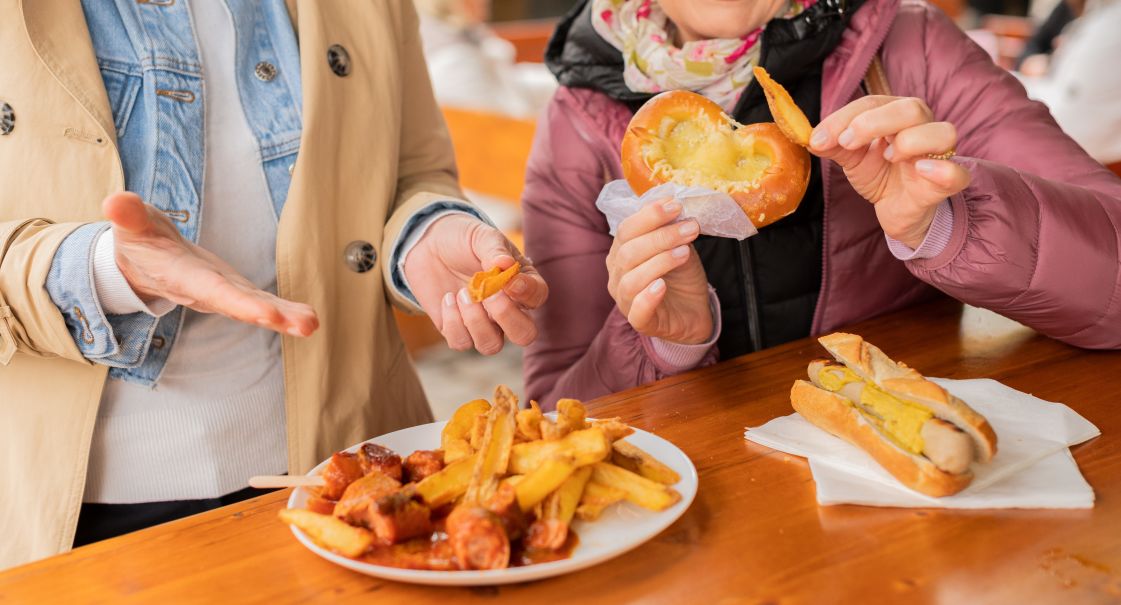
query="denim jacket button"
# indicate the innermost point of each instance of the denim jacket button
(360, 256)
(339, 60)
(7, 119)
(265, 71)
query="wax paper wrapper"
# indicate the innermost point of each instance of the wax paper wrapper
(1033, 467)
(715, 212)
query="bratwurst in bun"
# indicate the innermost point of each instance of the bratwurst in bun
(922, 435)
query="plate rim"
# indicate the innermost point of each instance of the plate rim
(510, 575)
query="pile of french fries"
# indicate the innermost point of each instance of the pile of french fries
(554, 471)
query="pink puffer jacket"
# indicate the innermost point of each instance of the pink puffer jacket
(1035, 235)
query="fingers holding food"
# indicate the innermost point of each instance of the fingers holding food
(514, 321)
(485, 334)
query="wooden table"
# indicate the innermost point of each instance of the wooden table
(754, 534)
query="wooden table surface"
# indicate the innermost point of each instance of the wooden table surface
(755, 533)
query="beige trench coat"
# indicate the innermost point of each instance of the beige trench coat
(374, 150)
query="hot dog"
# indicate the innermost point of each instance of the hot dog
(922, 435)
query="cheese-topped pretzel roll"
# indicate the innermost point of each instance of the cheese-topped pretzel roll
(922, 435)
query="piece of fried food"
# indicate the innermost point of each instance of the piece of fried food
(635, 459)
(485, 284)
(789, 118)
(596, 498)
(571, 416)
(456, 436)
(550, 530)
(584, 447)
(422, 464)
(536, 485)
(329, 532)
(529, 422)
(639, 490)
(494, 448)
(448, 484)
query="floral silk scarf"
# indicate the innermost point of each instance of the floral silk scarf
(719, 69)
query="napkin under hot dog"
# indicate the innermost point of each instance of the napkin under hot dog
(1033, 467)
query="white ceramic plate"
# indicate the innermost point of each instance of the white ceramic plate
(622, 527)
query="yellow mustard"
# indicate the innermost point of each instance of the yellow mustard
(900, 420)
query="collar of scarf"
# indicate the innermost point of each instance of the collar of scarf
(719, 69)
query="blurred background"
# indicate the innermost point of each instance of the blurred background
(486, 62)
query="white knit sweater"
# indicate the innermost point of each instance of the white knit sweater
(216, 416)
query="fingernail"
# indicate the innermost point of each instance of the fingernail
(449, 300)
(925, 166)
(263, 322)
(518, 286)
(464, 297)
(671, 206)
(658, 285)
(846, 137)
(688, 228)
(820, 137)
(889, 152)
(680, 252)
(294, 331)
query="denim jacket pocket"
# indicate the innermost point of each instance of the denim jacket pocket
(122, 88)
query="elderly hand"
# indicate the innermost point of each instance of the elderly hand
(656, 277)
(883, 143)
(439, 267)
(158, 262)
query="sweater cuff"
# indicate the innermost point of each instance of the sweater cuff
(936, 240)
(674, 358)
(112, 289)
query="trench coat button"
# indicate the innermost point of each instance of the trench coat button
(360, 256)
(339, 60)
(7, 119)
(265, 71)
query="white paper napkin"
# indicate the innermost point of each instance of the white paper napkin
(1033, 467)
(716, 213)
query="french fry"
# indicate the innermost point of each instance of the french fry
(549, 429)
(448, 484)
(457, 449)
(561, 504)
(615, 428)
(478, 431)
(542, 481)
(529, 422)
(460, 426)
(639, 490)
(596, 498)
(571, 416)
(584, 447)
(494, 448)
(329, 532)
(631, 457)
(555, 513)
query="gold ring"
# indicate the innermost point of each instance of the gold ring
(942, 156)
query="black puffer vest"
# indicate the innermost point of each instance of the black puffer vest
(768, 284)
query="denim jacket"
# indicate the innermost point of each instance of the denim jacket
(150, 64)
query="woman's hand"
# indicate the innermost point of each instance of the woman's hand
(453, 249)
(882, 143)
(158, 263)
(656, 277)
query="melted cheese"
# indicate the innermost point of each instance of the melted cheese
(695, 152)
(900, 420)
